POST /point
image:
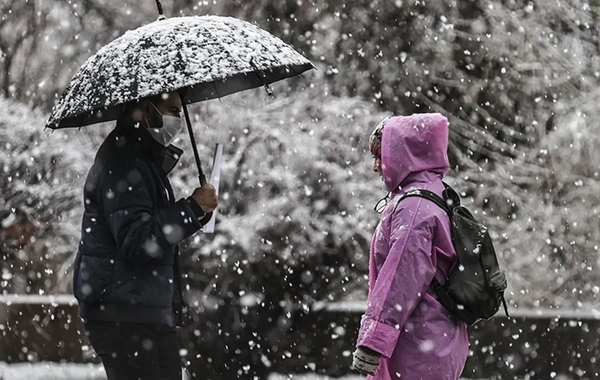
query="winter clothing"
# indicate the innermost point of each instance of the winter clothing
(131, 351)
(365, 362)
(404, 322)
(126, 269)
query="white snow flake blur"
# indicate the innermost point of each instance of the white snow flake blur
(278, 291)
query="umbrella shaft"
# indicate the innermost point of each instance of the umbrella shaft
(201, 175)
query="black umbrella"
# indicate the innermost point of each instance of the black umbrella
(203, 57)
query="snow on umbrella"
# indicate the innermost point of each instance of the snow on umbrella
(208, 56)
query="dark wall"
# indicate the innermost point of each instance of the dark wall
(42, 332)
(528, 346)
(524, 347)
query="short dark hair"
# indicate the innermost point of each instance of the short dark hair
(159, 97)
(156, 98)
(128, 107)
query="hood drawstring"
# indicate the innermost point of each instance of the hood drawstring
(382, 203)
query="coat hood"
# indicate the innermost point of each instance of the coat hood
(411, 145)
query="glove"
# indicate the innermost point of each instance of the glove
(365, 361)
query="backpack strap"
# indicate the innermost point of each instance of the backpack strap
(451, 200)
(429, 196)
(451, 196)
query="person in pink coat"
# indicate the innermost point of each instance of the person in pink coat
(405, 332)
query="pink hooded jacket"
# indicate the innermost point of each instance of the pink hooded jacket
(414, 333)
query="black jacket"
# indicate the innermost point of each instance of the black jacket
(126, 269)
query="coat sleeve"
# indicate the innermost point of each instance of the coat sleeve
(403, 279)
(140, 233)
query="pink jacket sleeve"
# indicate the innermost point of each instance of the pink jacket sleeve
(402, 280)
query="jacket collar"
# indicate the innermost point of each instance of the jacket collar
(164, 157)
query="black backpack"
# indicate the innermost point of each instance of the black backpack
(475, 287)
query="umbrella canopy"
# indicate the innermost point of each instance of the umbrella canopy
(209, 56)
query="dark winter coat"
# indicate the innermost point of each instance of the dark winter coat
(126, 269)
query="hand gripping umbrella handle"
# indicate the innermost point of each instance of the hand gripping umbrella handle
(201, 175)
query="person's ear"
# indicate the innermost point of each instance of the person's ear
(146, 108)
(140, 111)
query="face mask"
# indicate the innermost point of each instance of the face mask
(171, 127)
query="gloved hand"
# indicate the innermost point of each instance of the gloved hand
(366, 361)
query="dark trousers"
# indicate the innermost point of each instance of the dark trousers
(131, 351)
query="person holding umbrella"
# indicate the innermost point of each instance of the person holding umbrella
(126, 278)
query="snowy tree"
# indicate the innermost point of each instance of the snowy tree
(40, 201)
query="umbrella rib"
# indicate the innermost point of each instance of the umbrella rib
(262, 80)
(216, 89)
(81, 121)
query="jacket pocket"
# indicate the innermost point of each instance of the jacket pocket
(157, 286)
(92, 278)
(143, 284)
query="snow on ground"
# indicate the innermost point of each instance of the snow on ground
(51, 371)
(71, 371)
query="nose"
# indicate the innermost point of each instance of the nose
(376, 165)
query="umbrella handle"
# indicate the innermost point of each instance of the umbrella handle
(201, 176)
